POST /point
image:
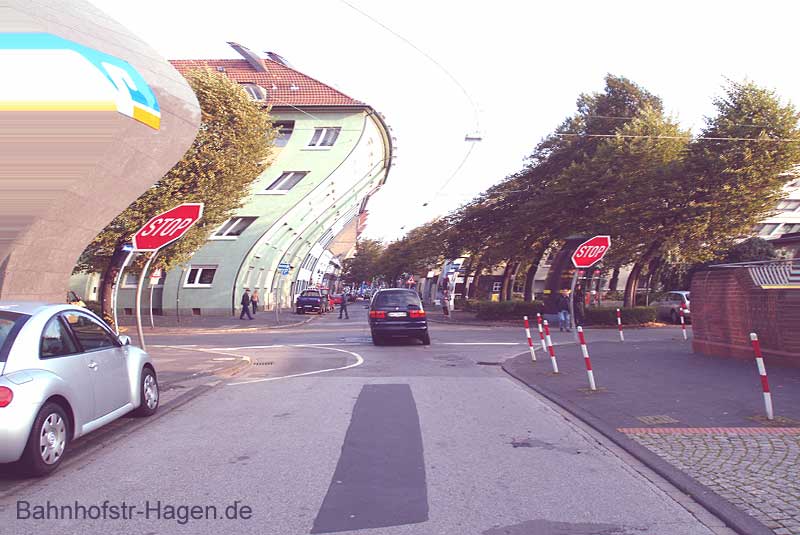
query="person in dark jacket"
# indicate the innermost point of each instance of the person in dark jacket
(343, 307)
(246, 305)
(563, 311)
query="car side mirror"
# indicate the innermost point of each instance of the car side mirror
(124, 340)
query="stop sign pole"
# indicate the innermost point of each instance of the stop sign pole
(156, 234)
(585, 256)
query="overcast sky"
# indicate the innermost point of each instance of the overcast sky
(522, 64)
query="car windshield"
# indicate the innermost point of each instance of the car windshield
(401, 298)
(310, 293)
(10, 323)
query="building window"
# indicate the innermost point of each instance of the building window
(130, 280)
(324, 137)
(767, 229)
(233, 228)
(200, 277)
(789, 205)
(789, 228)
(255, 91)
(285, 129)
(285, 182)
(496, 287)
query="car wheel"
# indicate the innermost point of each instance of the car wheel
(148, 392)
(48, 440)
(426, 339)
(674, 317)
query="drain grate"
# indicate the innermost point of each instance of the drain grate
(263, 363)
(657, 419)
(485, 363)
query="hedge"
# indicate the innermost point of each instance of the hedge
(493, 310)
(630, 316)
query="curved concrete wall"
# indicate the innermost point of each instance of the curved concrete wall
(66, 172)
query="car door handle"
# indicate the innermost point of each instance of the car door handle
(93, 365)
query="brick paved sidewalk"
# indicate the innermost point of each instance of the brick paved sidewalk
(703, 415)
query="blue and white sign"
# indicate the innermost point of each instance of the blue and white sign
(44, 72)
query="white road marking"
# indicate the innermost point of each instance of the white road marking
(359, 361)
(480, 344)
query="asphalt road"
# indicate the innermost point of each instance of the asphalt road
(326, 433)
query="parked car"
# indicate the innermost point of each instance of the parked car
(63, 374)
(311, 301)
(397, 312)
(337, 299)
(669, 306)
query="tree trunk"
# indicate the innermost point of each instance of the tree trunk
(504, 286)
(107, 280)
(612, 284)
(632, 285)
(473, 288)
(512, 277)
(530, 275)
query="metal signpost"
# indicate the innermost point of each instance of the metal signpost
(283, 269)
(129, 249)
(156, 234)
(585, 256)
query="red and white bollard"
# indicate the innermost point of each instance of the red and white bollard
(585, 352)
(541, 332)
(683, 325)
(550, 347)
(530, 340)
(762, 371)
(619, 326)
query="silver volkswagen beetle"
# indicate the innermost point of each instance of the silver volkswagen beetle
(64, 373)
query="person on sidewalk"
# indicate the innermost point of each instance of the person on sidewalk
(246, 305)
(254, 301)
(343, 307)
(563, 311)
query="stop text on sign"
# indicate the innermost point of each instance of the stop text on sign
(591, 251)
(165, 226)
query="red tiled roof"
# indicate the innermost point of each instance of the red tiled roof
(285, 86)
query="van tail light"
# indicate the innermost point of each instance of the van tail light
(6, 395)
(416, 314)
(377, 314)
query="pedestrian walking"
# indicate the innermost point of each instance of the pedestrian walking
(343, 307)
(579, 303)
(246, 305)
(563, 311)
(254, 301)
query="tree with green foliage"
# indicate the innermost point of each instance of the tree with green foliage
(231, 150)
(363, 266)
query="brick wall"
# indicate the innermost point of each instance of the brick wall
(727, 306)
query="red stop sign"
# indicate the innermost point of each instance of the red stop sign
(165, 228)
(591, 251)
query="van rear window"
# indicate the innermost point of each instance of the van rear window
(402, 298)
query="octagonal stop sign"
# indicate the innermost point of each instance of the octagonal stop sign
(167, 227)
(591, 251)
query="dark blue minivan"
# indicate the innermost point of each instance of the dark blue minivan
(395, 312)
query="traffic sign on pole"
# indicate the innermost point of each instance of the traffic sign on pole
(167, 227)
(591, 251)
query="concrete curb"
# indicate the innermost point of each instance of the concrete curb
(736, 519)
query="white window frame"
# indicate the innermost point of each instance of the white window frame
(497, 287)
(229, 225)
(277, 190)
(200, 268)
(315, 143)
(284, 125)
(252, 89)
(125, 283)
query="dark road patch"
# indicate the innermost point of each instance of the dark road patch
(546, 527)
(380, 478)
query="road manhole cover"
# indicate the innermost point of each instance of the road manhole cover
(657, 419)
